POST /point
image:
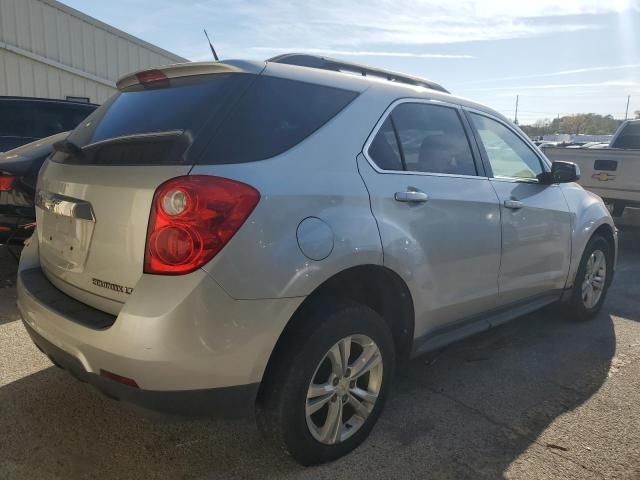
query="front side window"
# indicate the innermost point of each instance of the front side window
(508, 155)
(430, 139)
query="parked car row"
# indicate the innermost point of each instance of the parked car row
(279, 237)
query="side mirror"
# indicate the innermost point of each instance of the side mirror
(561, 172)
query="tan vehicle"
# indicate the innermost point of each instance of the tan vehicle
(612, 173)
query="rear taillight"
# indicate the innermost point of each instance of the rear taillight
(6, 183)
(192, 219)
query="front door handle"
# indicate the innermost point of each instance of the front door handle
(411, 196)
(513, 204)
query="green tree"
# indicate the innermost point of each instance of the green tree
(637, 112)
(581, 123)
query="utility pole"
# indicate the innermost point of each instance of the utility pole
(515, 120)
(626, 113)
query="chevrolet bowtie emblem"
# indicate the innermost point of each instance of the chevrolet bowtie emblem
(603, 176)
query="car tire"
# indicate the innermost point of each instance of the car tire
(313, 352)
(586, 299)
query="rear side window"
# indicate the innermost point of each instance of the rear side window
(629, 137)
(384, 149)
(430, 139)
(274, 115)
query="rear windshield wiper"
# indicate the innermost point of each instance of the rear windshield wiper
(68, 147)
(140, 137)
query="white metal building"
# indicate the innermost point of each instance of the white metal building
(50, 50)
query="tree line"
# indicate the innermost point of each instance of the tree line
(581, 123)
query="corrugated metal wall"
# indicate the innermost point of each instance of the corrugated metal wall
(50, 50)
(23, 77)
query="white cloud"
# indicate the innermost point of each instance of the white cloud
(560, 73)
(339, 25)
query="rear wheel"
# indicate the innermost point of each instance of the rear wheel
(327, 387)
(593, 279)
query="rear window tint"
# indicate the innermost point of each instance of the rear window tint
(213, 119)
(185, 105)
(54, 118)
(273, 116)
(156, 125)
(629, 138)
(39, 119)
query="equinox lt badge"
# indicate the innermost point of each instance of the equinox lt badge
(112, 286)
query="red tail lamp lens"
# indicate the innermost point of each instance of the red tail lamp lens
(192, 219)
(6, 183)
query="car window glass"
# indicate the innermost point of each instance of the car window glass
(507, 153)
(16, 118)
(433, 139)
(273, 116)
(629, 137)
(55, 118)
(384, 148)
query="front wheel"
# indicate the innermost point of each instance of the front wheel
(592, 279)
(328, 385)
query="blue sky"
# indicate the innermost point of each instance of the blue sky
(560, 56)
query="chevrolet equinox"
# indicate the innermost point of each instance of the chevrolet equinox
(274, 237)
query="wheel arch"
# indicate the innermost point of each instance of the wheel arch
(375, 286)
(583, 235)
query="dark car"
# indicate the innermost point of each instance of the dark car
(24, 119)
(18, 175)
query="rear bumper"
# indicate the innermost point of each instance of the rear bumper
(182, 339)
(235, 401)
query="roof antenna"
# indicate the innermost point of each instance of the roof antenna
(213, 50)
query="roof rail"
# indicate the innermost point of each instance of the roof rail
(324, 63)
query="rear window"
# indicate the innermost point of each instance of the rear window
(213, 119)
(184, 106)
(629, 137)
(39, 119)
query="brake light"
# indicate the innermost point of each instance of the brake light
(6, 183)
(192, 219)
(153, 78)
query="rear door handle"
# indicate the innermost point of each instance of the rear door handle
(513, 204)
(411, 196)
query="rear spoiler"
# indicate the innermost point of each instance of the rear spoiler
(189, 69)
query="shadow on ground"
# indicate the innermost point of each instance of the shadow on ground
(467, 412)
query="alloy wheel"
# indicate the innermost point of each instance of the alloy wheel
(594, 279)
(344, 389)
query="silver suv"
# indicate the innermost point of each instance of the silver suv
(276, 236)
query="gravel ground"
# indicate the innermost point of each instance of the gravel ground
(541, 397)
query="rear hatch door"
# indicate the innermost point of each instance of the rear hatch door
(95, 192)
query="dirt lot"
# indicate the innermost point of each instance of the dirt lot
(541, 397)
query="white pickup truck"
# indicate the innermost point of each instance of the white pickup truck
(613, 173)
